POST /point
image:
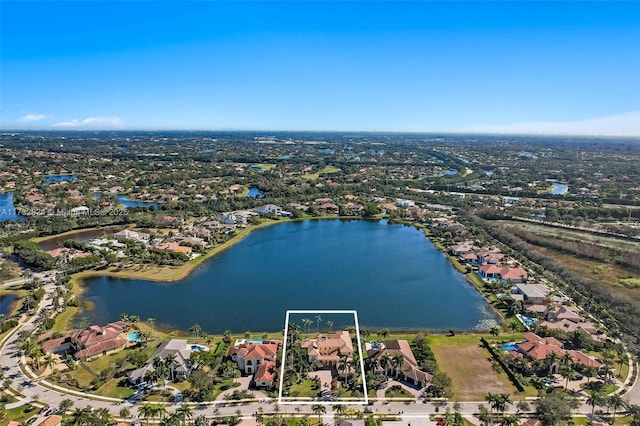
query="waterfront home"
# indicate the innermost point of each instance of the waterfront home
(462, 248)
(328, 350)
(269, 209)
(232, 219)
(329, 207)
(251, 355)
(410, 369)
(540, 348)
(503, 273)
(128, 234)
(181, 352)
(536, 293)
(174, 247)
(63, 254)
(91, 342)
(298, 206)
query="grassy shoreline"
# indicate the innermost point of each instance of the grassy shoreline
(171, 273)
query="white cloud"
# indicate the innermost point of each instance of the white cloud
(92, 123)
(625, 124)
(32, 117)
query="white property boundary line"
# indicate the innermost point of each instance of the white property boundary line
(284, 351)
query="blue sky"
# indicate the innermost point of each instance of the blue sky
(509, 66)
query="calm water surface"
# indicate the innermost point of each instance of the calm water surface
(391, 274)
(6, 300)
(7, 209)
(559, 188)
(134, 203)
(86, 235)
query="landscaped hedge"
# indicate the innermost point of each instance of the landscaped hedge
(504, 366)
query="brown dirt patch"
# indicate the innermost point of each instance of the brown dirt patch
(470, 371)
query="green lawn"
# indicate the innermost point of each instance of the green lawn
(327, 170)
(19, 414)
(397, 392)
(266, 167)
(630, 282)
(223, 386)
(303, 389)
(115, 388)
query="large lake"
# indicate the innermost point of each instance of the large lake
(391, 274)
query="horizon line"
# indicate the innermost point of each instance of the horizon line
(414, 132)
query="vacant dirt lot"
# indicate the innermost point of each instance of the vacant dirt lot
(468, 364)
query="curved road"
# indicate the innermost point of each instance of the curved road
(35, 390)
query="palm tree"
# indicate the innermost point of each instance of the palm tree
(185, 413)
(319, 409)
(385, 362)
(552, 358)
(125, 412)
(195, 330)
(589, 372)
(330, 324)
(567, 360)
(484, 415)
(170, 362)
(371, 364)
(491, 398)
(307, 323)
(49, 362)
(318, 319)
(339, 409)
(594, 398)
(503, 401)
(398, 363)
(621, 358)
(616, 402)
(151, 322)
(64, 405)
(509, 420)
(566, 373)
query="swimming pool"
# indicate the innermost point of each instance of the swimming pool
(529, 323)
(134, 336)
(198, 348)
(509, 347)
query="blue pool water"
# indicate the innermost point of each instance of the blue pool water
(134, 336)
(510, 347)
(199, 348)
(526, 321)
(255, 193)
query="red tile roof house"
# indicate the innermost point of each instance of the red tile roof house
(91, 342)
(505, 273)
(250, 356)
(540, 348)
(266, 375)
(328, 350)
(173, 246)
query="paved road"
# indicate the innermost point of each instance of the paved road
(34, 390)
